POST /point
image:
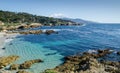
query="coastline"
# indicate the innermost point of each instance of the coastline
(5, 38)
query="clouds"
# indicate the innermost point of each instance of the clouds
(58, 15)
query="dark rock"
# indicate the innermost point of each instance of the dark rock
(3, 48)
(48, 32)
(11, 44)
(28, 64)
(118, 53)
(50, 54)
(87, 63)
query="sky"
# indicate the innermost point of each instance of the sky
(105, 11)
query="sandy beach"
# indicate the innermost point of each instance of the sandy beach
(5, 38)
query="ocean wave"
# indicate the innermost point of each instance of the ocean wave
(51, 29)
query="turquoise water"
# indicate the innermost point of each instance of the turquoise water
(69, 41)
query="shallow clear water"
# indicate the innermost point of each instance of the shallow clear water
(69, 40)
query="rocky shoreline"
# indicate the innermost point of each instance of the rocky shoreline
(87, 63)
(9, 61)
(84, 63)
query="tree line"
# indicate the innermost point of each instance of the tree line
(22, 17)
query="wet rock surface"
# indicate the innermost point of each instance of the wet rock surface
(7, 64)
(22, 71)
(88, 63)
(47, 32)
(83, 63)
(25, 65)
(5, 61)
(28, 64)
(31, 32)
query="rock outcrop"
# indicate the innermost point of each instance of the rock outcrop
(28, 64)
(5, 61)
(100, 53)
(26, 26)
(88, 63)
(14, 67)
(31, 32)
(19, 27)
(48, 32)
(25, 65)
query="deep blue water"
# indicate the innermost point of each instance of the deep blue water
(69, 41)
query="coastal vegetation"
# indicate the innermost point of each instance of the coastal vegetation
(20, 20)
(16, 18)
(81, 63)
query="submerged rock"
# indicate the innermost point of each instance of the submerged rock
(118, 53)
(3, 48)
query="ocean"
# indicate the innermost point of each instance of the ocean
(70, 40)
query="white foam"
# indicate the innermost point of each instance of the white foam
(92, 51)
(8, 40)
(51, 29)
(5, 38)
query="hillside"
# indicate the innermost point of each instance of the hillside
(13, 17)
(78, 20)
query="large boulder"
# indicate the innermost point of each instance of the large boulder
(34, 25)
